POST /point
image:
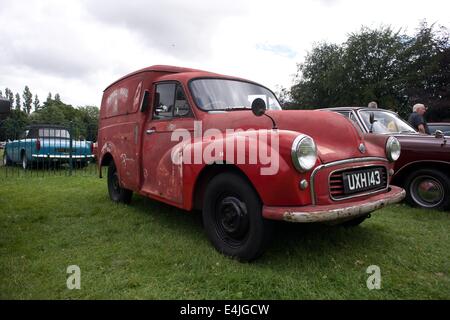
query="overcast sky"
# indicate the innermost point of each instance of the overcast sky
(77, 48)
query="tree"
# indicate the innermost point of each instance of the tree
(57, 97)
(17, 102)
(319, 77)
(9, 95)
(49, 97)
(1, 94)
(427, 73)
(36, 103)
(83, 120)
(384, 65)
(27, 100)
(13, 125)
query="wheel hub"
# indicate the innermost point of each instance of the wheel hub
(427, 191)
(233, 218)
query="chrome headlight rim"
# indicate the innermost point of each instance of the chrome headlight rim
(294, 155)
(391, 154)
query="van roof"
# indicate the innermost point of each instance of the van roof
(157, 68)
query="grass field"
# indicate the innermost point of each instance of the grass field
(152, 251)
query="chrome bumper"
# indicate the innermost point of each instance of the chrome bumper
(335, 212)
(62, 156)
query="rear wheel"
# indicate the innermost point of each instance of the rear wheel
(25, 164)
(428, 188)
(6, 160)
(116, 192)
(232, 217)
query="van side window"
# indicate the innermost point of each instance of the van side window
(170, 102)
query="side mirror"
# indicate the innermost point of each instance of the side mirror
(145, 101)
(258, 107)
(438, 134)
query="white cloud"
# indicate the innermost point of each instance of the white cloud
(77, 48)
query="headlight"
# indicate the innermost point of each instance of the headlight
(393, 149)
(304, 153)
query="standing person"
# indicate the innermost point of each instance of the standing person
(372, 104)
(416, 119)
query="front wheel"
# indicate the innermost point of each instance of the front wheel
(429, 189)
(116, 192)
(232, 217)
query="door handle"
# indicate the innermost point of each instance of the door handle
(150, 131)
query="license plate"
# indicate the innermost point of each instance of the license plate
(362, 180)
(64, 150)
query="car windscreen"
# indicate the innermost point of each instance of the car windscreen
(385, 122)
(443, 128)
(225, 94)
(53, 133)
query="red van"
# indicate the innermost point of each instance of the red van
(200, 140)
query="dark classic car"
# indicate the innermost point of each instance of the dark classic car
(442, 126)
(423, 168)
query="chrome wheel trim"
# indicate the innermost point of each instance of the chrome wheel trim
(427, 191)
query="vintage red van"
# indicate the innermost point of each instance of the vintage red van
(200, 140)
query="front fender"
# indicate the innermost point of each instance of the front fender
(263, 156)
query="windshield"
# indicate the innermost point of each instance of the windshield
(223, 94)
(386, 122)
(53, 133)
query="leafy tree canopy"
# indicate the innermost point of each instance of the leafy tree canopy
(382, 65)
(82, 120)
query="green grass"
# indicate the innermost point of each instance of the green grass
(149, 250)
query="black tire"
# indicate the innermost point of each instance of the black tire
(354, 222)
(116, 192)
(428, 189)
(232, 218)
(6, 160)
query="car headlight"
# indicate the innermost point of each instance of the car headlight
(304, 153)
(393, 149)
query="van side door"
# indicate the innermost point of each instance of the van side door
(161, 177)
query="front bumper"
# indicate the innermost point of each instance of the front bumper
(335, 212)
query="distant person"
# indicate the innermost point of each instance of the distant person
(416, 119)
(372, 104)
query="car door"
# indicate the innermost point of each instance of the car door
(170, 111)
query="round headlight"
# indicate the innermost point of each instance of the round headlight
(304, 153)
(393, 149)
